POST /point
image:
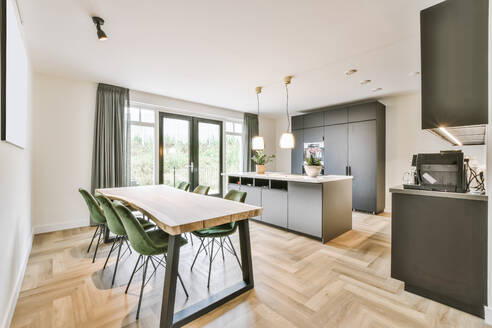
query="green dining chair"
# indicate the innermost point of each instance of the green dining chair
(183, 186)
(219, 235)
(97, 216)
(116, 227)
(149, 244)
(202, 190)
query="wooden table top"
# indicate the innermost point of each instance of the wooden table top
(176, 211)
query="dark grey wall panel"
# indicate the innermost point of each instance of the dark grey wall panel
(336, 149)
(336, 116)
(297, 155)
(439, 249)
(305, 208)
(297, 122)
(274, 207)
(454, 57)
(362, 112)
(363, 165)
(313, 120)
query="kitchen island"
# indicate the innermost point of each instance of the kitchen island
(319, 208)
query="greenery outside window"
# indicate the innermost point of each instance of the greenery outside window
(142, 146)
(233, 140)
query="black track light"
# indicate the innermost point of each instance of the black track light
(98, 21)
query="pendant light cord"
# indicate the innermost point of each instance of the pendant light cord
(287, 107)
(258, 102)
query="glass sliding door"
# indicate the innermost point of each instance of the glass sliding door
(191, 150)
(209, 154)
(174, 149)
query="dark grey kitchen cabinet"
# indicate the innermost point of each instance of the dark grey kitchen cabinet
(313, 120)
(336, 149)
(253, 196)
(298, 122)
(274, 207)
(297, 156)
(336, 116)
(363, 164)
(454, 63)
(362, 112)
(313, 135)
(354, 140)
(305, 208)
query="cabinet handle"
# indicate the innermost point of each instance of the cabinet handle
(346, 170)
(350, 170)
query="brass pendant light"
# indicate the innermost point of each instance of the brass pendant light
(258, 143)
(287, 140)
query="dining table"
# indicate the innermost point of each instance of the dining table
(176, 212)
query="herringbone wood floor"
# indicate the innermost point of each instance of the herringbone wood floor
(299, 282)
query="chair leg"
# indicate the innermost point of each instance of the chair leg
(210, 264)
(143, 285)
(97, 245)
(92, 240)
(117, 260)
(191, 238)
(109, 254)
(133, 273)
(234, 252)
(182, 284)
(222, 248)
(198, 252)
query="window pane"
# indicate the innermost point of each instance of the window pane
(142, 155)
(148, 115)
(134, 114)
(176, 137)
(229, 127)
(233, 153)
(209, 156)
(238, 128)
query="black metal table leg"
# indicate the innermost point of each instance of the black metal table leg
(179, 319)
(169, 294)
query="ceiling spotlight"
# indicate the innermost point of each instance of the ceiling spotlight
(376, 89)
(414, 74)
(98, 21)
(365, 82)
(351, 71)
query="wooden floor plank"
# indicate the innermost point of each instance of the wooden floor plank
(299, 282)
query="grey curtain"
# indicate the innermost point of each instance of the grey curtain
(250, 130)
(109, 159)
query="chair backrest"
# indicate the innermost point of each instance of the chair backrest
(139, 239)
(96, 212)
(183, 185)
(236, 195)
(202, 190)
(112, 218)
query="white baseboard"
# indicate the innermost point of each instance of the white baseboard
(60, 226)
(488, 315)
(12, 302)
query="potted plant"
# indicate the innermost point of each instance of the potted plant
(312, 163)
(260, 159)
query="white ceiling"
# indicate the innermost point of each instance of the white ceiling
(217, 51)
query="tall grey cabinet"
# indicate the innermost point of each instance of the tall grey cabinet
(354, 140)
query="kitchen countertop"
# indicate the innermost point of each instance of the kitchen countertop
(457, 195)
(290, 177)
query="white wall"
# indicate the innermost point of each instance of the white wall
(488, 309)
(63, 135)
(15, 214)
(404, 137)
